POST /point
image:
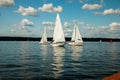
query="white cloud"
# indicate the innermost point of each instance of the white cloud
(110, 31)
(23, 24)
(50, 8)
(91, 6)
(13, 30)
(114, 26)
(109, 11)
(44, 23)
(70, 1)
(103, 28)
(50, 28)
(66, 34)
(26, 22)
(30, 11)
(67, 30)
(7, 3)
(66, 24)
(22, 28)
(89, 27)
(78, 22)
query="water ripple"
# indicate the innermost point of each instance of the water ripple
(31, 61)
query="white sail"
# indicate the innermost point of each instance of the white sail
(44, 37)
(73, 34)
(76, 39)
(58, 35)
(76, 36)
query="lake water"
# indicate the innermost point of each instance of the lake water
(24, 60)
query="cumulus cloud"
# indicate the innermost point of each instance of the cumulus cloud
(30, 11)
(103, 28)
(50, 28)
(114, 26)
(44, 23)
(109, 11)
(50, 8)
(66, 24)
(23, 24)
(26, 22)
(111, 30)
(91, 6)
(7, 3)
(89, 28)
(68, 30)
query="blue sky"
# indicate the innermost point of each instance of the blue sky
(27, 18)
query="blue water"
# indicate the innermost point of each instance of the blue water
(24, 60)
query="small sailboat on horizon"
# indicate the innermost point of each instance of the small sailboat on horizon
(43, 40)
(76, 39)
(58, 35)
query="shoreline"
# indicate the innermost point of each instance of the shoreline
(4, 38)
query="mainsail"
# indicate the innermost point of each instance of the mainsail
(76, 36)
(44, 37)
(58, 35)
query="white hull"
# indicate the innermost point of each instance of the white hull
(59, 44)
(75, 43)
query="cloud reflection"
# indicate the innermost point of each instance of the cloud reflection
(44, 51)
(76, 50)
(58, 54)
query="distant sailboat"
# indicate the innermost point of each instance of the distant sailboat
(44, 37)
(76, 37)
(58, 35)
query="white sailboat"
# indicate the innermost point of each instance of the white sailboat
(58, 35)
(44, 37)
(76, 37)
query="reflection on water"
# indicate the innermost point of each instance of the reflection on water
(76, 52)
(113, 48)
(58, 53)
(31, 61)
(44, 51)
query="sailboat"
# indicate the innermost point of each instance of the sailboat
(44, 38)
(58, 35)
(76, 37)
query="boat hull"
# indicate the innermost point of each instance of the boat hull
(75, 43)
(59, 44)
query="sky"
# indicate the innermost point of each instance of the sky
(27, 18)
